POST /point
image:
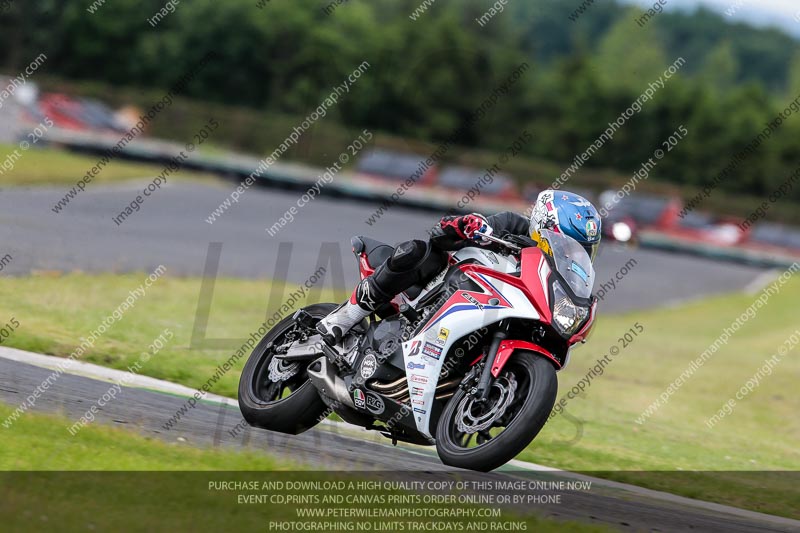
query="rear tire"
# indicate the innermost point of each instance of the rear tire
(302, 408)
(538, 377)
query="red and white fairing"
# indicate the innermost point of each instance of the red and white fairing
(502, 296)
(509, 288)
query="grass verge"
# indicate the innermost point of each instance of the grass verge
(37, 442)
(56, 312)
(56, 167)
(674, 449)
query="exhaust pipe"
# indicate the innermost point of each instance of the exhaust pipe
(324, 377)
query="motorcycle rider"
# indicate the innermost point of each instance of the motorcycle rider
(417, 261)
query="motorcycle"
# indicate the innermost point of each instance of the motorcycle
(467, 362)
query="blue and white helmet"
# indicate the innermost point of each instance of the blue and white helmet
(570, 214)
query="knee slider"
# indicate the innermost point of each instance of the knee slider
(431, 264)
(419, 259)
(413, 262)
(408, 255)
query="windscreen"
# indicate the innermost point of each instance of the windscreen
(572, 262)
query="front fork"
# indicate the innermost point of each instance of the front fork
(481, 391)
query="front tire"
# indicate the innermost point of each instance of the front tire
(264, 402)
(534, 385)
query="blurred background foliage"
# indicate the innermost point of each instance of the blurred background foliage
(276, 63)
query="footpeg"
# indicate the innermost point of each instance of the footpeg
(409, 313)
(331, 337)
(335, 357)
(304, 318)
(343, 354)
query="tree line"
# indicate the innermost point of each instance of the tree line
(428, 75)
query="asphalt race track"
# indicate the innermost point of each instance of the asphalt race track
(332, 449)
(170, 229)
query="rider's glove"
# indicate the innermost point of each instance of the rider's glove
(467, 227)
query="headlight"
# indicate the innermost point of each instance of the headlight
(567, 316)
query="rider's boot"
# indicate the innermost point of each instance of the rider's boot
(410, 263)
(365, 299)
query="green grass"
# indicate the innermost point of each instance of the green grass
(761, 434)
(41, 442)
(55, 167)
(110, 479)
(56, 311)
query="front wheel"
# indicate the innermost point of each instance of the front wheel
(276, 395)
(484, 436)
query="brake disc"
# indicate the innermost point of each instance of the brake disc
(467, 422)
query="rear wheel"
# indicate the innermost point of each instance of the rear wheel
(484, 436)
(276, 395)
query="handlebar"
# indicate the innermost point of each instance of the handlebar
(497, 240)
